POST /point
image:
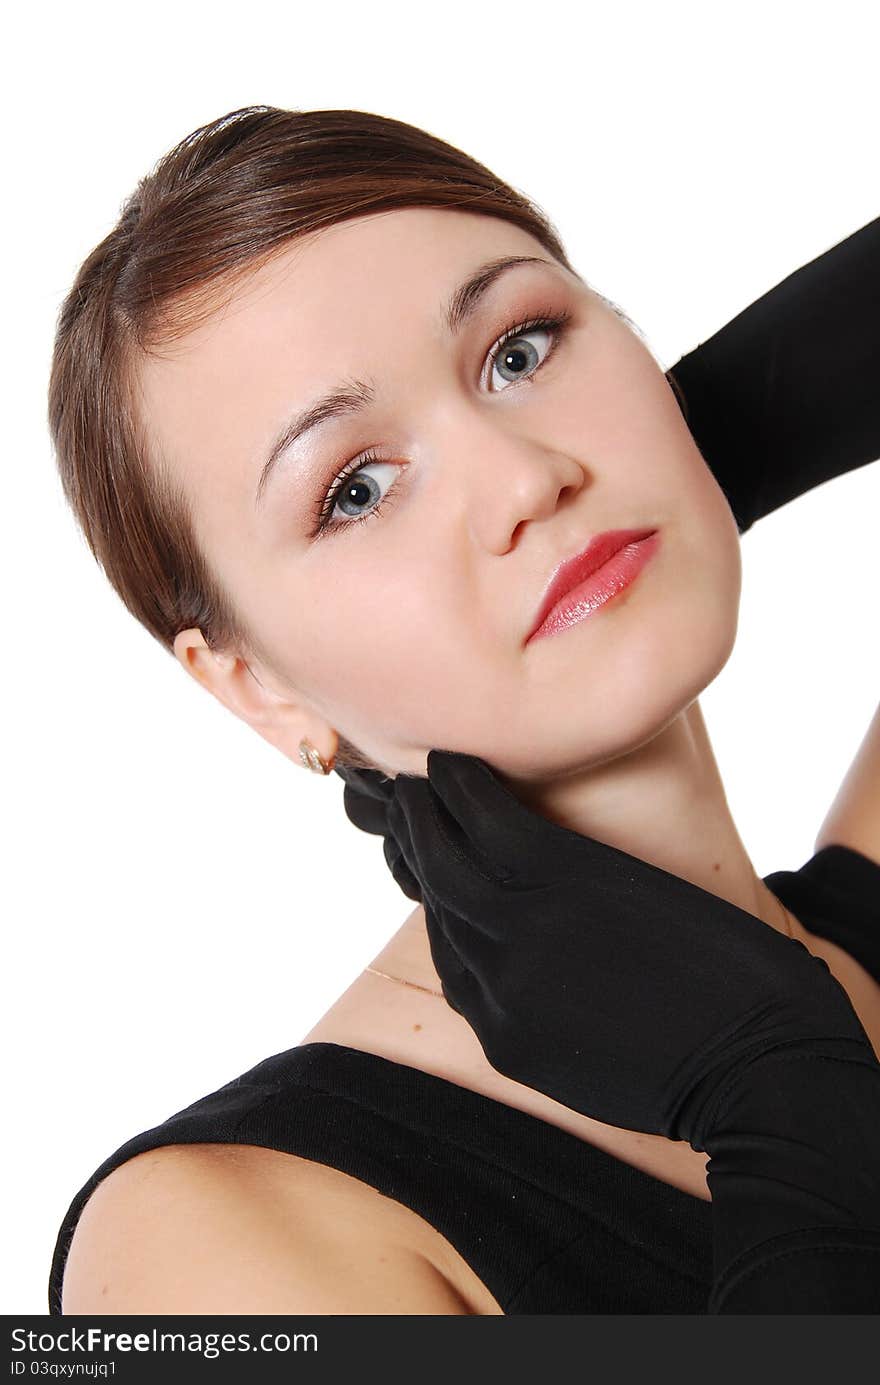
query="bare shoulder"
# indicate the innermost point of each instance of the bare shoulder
(853, 819)
(239, 1229)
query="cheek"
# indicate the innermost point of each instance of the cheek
(704, 555)
(710, 540)
(697, 625)
(361, 638)
(408, 668)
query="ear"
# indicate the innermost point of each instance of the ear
(279, 719)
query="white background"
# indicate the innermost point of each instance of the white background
(180, 901)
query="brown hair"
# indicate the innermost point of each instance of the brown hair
(211, 211)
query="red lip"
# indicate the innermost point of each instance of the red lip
(572, 571)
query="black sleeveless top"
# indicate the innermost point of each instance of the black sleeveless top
(780, 400)
(549, 1223)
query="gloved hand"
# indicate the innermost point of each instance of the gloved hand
(609, 984)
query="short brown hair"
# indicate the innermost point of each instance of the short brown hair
(211, 211)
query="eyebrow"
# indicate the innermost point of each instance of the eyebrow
(353, 396)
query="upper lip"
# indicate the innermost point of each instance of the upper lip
(574, 570)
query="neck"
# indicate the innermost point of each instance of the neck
(664, 803)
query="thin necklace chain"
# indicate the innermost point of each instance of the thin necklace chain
(415, 985)
(440, 996)
(788, 919)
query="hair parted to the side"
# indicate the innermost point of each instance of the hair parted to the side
(212, 211)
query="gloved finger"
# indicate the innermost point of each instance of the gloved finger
(455, 980)
(397, 864)
(439, 853)
(469, 989)
(365, 798)
(507, 836)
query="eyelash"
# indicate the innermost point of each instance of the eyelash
(554, 323)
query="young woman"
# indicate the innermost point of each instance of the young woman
(305, 321)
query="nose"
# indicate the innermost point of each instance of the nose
(511, 478)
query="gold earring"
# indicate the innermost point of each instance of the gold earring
(312, 760)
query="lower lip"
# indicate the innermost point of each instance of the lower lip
(600, 587)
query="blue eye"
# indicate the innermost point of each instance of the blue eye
(518, 355)
(511, 353)
(350, 489)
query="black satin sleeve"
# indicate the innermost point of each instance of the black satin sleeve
(787, 394)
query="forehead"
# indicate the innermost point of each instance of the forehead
(409, 256)
(338, 302)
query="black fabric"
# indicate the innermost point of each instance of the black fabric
(820, 895)
(787, 394)
(367, 797)
(550, 1224)
(795, 1175)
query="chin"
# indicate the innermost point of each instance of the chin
(610, 699)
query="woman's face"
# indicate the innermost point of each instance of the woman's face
(405, 629)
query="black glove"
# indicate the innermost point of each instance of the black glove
(615, 987)
(367, 797)
(644, 1001)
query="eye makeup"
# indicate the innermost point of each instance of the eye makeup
(549, 321)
